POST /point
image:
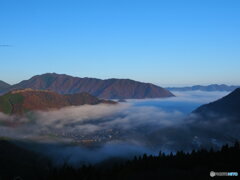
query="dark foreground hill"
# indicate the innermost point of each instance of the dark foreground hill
(16, 162)
(107, 89)
(228, 106)
(21, 101)
(19, 163)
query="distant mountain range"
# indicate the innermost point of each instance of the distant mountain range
(228, 106)
(107, 89)
(212, 87)
(21, 101)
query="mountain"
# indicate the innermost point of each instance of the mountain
(228, 106)
(107, 89)
(212, 87)
(4, 85)
(25, 100)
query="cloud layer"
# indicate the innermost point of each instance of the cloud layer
(92, 133)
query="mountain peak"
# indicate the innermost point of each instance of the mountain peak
(106, 89)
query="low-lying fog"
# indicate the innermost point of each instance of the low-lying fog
(90, 134)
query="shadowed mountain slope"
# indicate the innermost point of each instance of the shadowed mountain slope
(3, 85)
(228, 106)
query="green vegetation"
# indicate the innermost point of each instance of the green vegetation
(7, 100)
(16, 98)
(5, 105)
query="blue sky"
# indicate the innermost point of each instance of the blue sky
(166, 42)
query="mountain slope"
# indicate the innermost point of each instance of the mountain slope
(227, 106)
(107, 89)
(3, 85)
(21, 101)
(212, 87)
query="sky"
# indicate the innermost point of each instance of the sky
(165, 42)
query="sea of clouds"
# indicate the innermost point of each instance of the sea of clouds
(146, 126)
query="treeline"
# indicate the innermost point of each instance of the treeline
(194, 165)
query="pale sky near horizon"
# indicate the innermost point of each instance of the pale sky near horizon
(165, 42)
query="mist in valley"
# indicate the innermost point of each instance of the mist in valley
(94, 133)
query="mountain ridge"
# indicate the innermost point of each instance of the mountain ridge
(211, 87)
(108, 89)
(26, 100)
